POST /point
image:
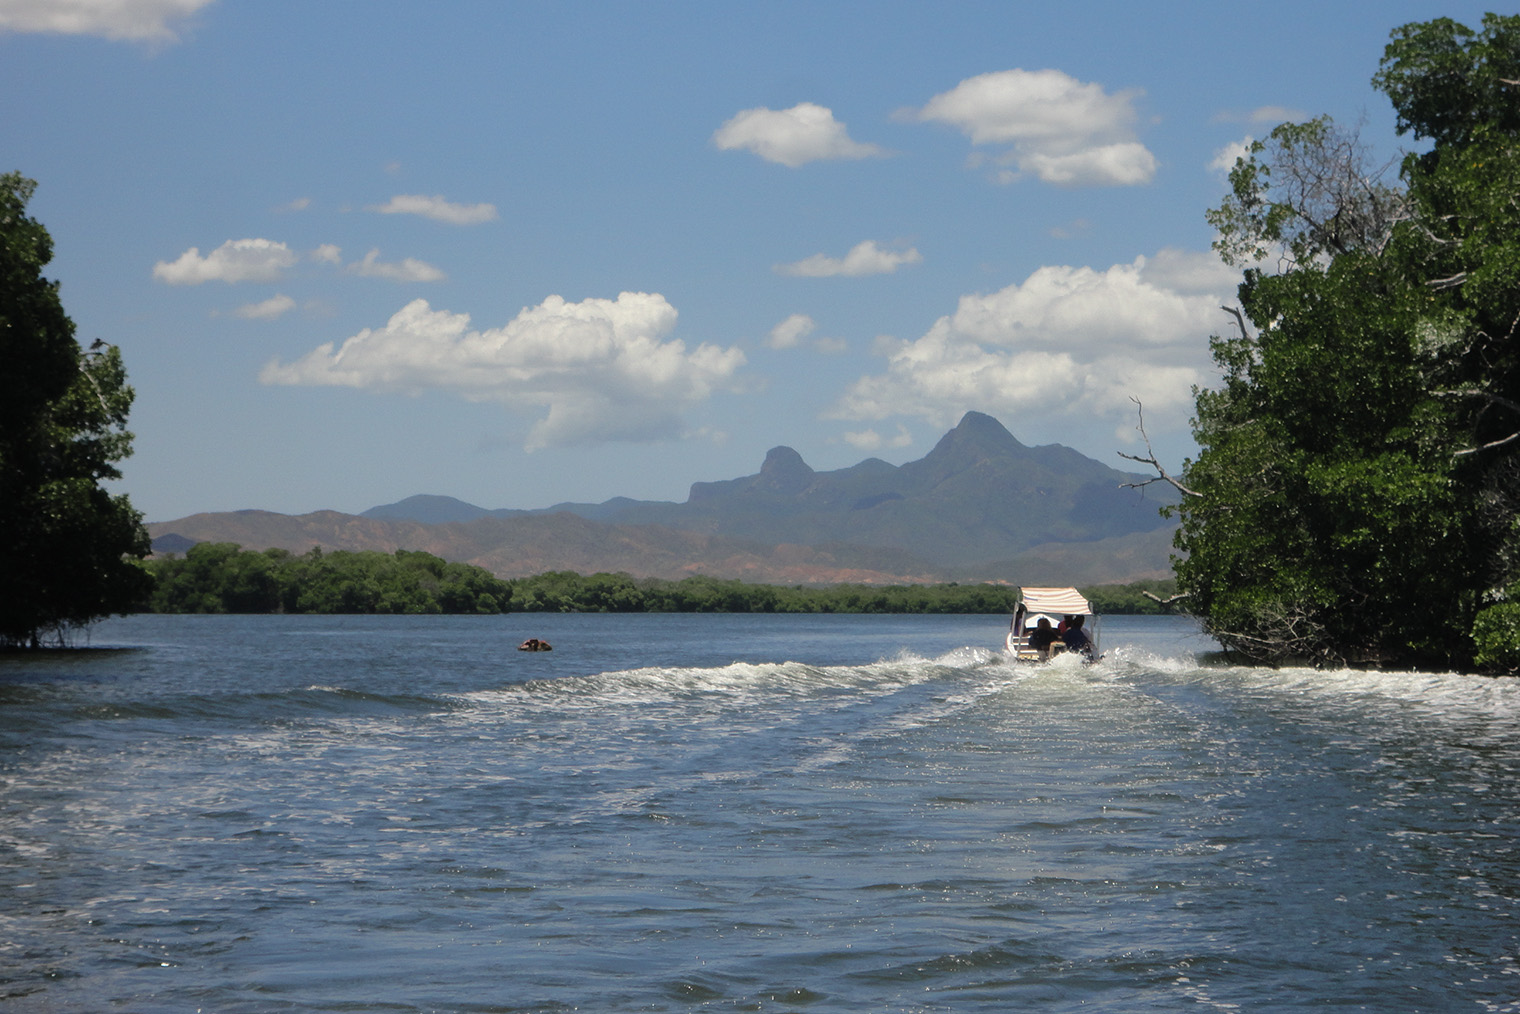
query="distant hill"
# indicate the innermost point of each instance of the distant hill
(979, 506)
(430, 510)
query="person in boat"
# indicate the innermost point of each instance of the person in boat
(1074, 637)
(1042, 637)
(534, 644)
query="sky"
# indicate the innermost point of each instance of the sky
(530, 253)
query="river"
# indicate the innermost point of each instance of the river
(742, 813)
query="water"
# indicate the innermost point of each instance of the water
(742, 813)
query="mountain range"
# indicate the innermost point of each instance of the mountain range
(979, 506)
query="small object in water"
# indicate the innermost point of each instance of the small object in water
(534, 644)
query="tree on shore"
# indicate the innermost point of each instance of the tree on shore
(68, 548)
(1356, 493)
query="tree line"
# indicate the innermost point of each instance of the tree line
(1356, 498)
(224, 578)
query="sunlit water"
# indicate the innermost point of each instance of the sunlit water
(732, 813)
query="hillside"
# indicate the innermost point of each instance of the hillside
(980, 506)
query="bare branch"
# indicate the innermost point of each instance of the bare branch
(1492, 399)
(1240, 322)
(1167, 602)
(1454, 282)
(1488, 446)
(85, 361)
(1161, 473)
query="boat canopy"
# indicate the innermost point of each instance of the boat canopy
(1068, 601)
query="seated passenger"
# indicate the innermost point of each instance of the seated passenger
(1075, 637)
(1042, 637)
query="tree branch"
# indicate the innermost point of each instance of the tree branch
(1167, 602)
(1161, 473)
(1492, 399)
(1454, 282)
(1240, 322)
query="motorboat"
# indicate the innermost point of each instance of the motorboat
(1041, 620)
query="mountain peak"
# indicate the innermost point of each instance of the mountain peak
(427, 508)
(784, 471)
(983, 427)
(977, 435)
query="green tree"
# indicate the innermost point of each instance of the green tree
(1357, 473)
(69, 550)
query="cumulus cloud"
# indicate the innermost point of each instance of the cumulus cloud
(237, 260)
(870, 440)
(275, 306)
(790, 332)
(408, 270)
(863, 259)
(438, 209)
(1225, 158)
(1066, 346)
(119, 20)
(792, 137)
(597, 370)
(1052, 126)
(1190, 272)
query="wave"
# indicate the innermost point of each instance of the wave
(306, 702)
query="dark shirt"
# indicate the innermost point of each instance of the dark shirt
(1041, 638)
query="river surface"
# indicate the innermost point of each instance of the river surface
(742, 813)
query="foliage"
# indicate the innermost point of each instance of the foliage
(1497, 636)
(564, 591)
(219, 577)
(1451, 84)
(1357, 472)
(70, 549)
(1308, 190)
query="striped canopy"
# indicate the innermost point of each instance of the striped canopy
(1055, 600)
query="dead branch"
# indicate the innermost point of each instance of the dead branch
(1492, 399)
(1240, 319)
(1161, 473)
(1442, 284)
(1169, 601)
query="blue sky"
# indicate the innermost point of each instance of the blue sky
(526, 253)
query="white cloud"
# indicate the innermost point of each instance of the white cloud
(328, 253)
(598, 370)
(1224, 158)
(1066, 346)
(408, 270)
(793, 137)
(790, 332)
(1192, 272)
(237, 260)
(1057, 128)
(830, 346)
(438, 209)
(870, 440)
(1269, 116)
(863, 259)
(120, 20)
(275, 306)
(1124, 165)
